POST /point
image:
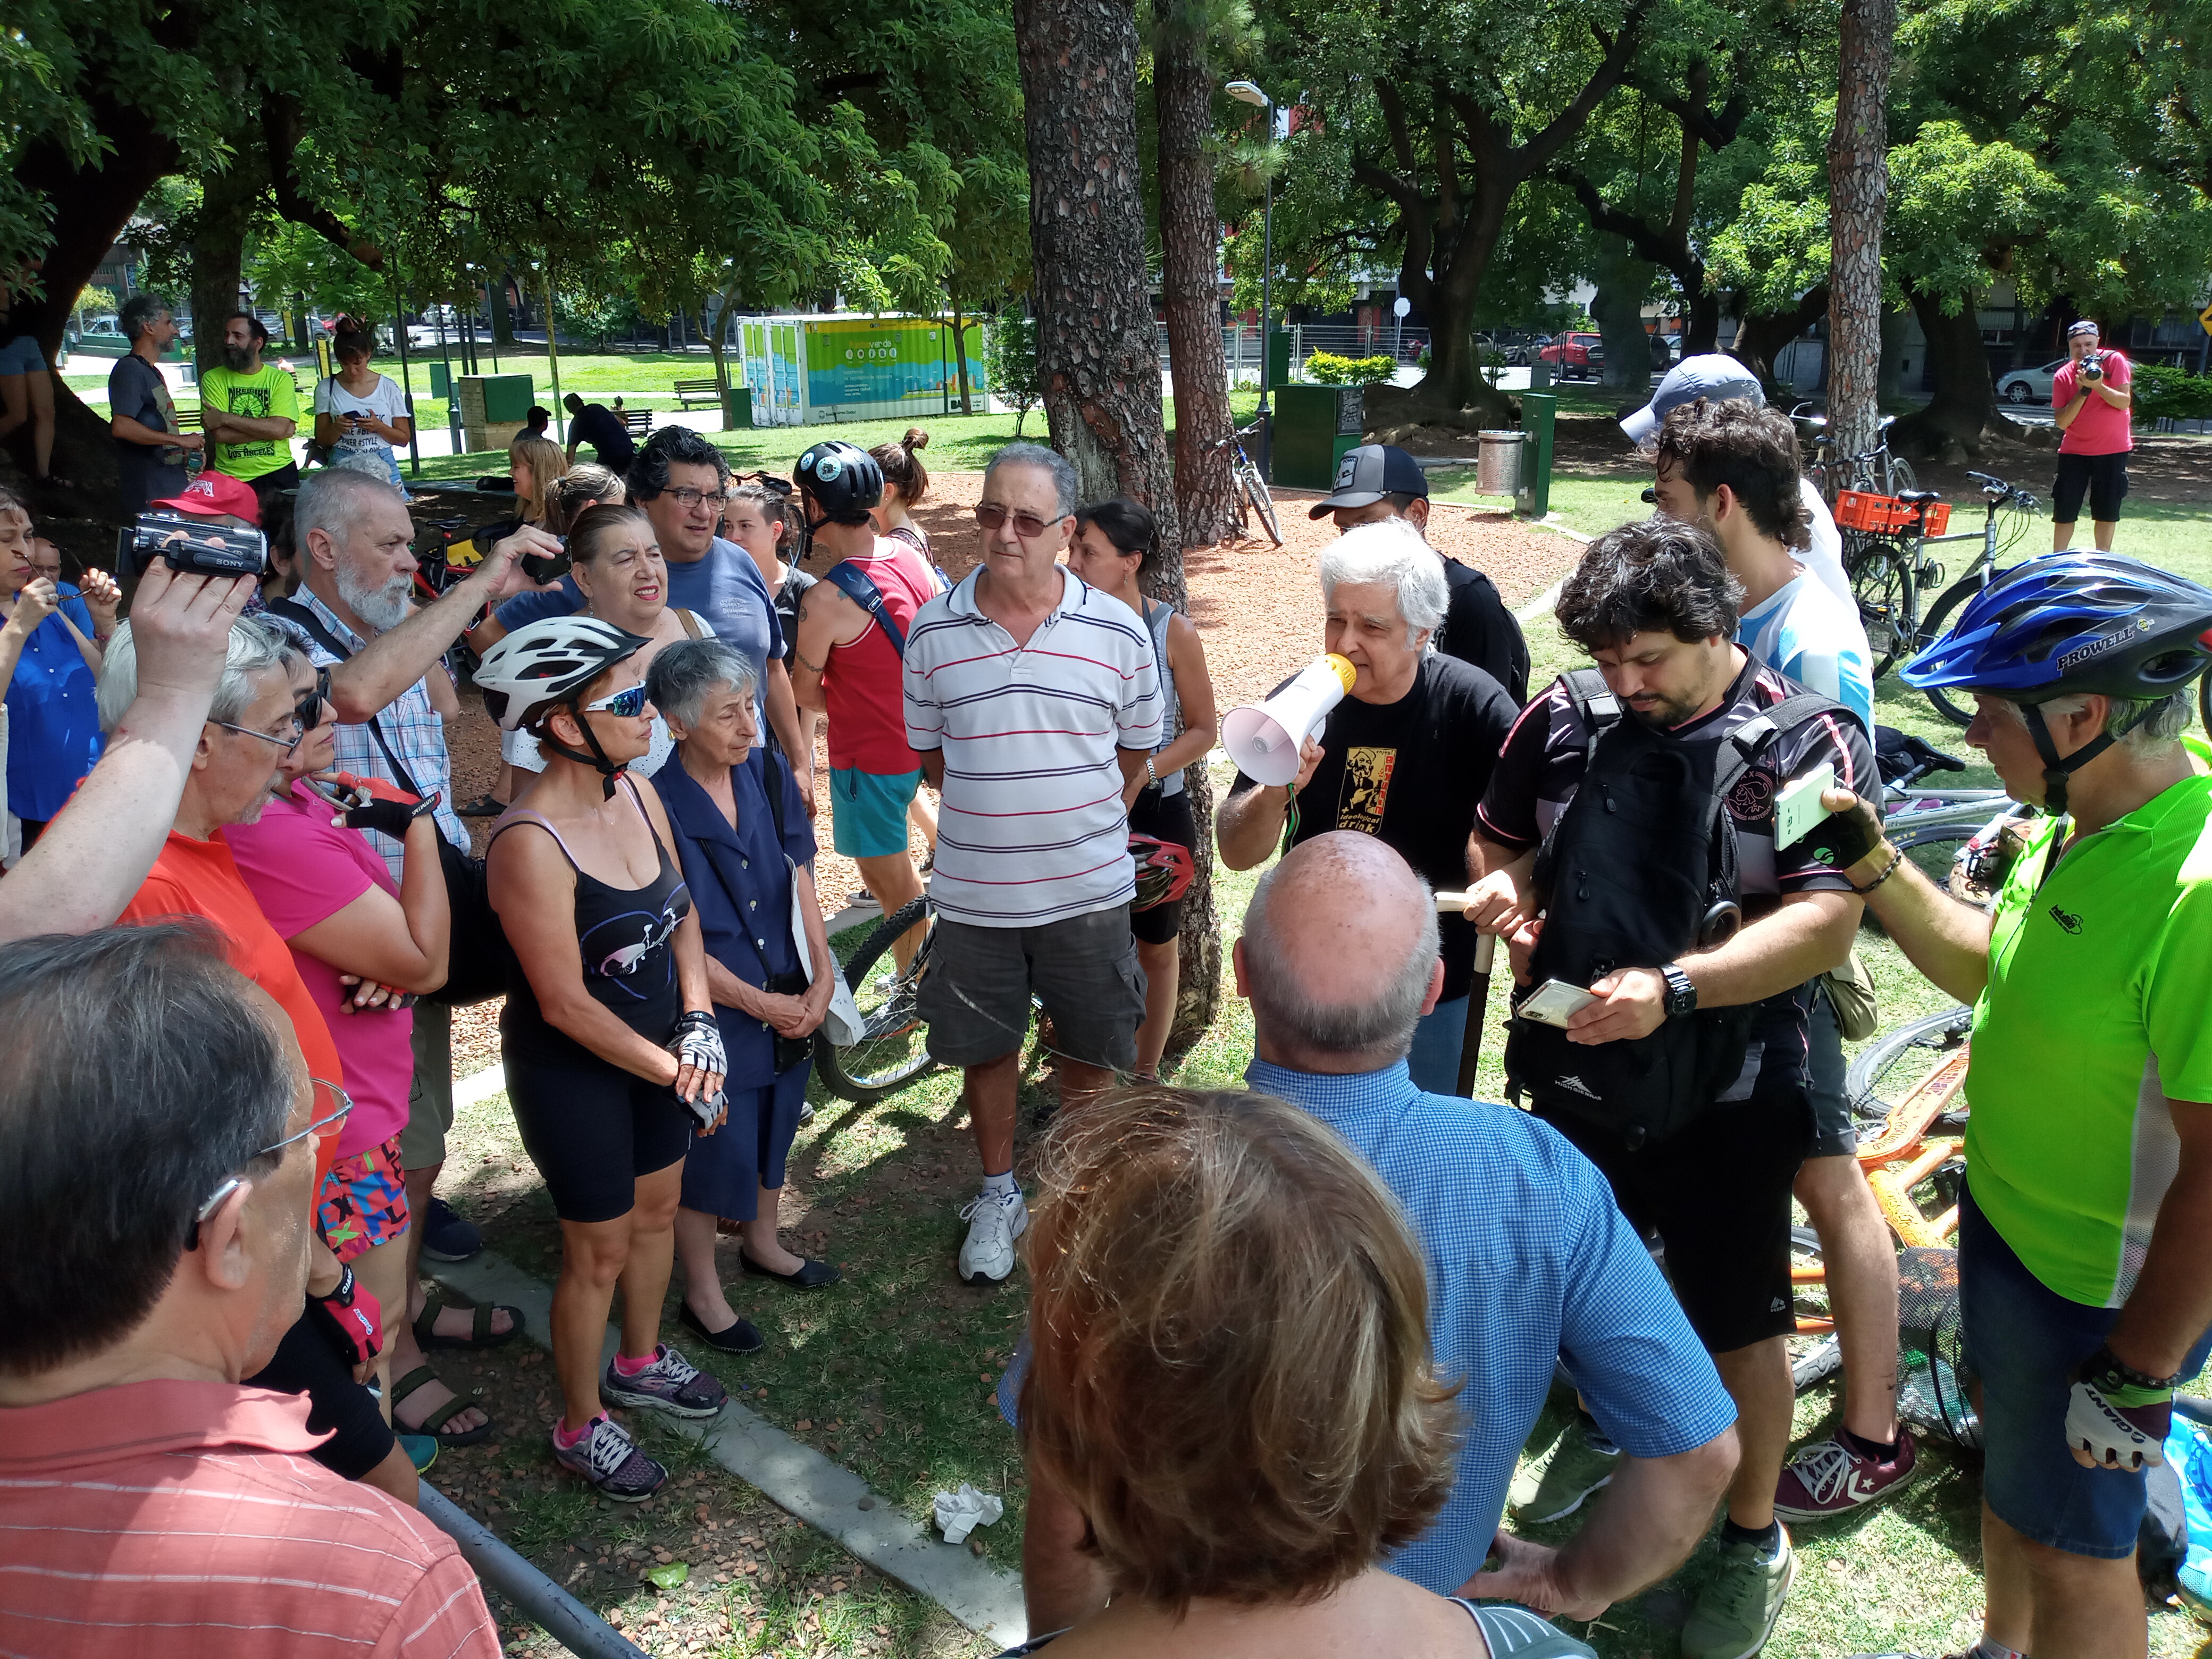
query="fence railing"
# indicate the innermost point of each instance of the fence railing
(1240, 346)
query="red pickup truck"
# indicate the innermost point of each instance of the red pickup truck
(1579, 356)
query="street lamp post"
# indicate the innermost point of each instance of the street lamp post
(1246, 92)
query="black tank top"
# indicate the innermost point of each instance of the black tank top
(625, 935)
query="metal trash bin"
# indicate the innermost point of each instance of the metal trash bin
(1498, 463)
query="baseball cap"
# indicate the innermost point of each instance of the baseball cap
(2084, 326)
(1367, 474)
(216, 495)
(1710, 375)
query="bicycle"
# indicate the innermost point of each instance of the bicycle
(892, 1052)
(1877, 470)
(2019, 510)
(1251, 488)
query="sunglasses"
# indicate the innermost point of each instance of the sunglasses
(340, 1102)
(626, 705)
(310, 709)
(1027, 525)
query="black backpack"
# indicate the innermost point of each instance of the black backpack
(1640, 867)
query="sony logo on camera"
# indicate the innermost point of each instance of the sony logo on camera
(190, 544)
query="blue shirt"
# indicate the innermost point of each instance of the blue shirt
(1805, 632)
(725, 587)
(741, 889)
(53, 718)
(1529, 1259)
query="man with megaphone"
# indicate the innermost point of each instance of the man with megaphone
(1403, 751)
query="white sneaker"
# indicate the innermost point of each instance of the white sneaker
(993, 1224)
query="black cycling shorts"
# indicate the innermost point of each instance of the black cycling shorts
(1165, 817)
(1835, 1131)
(305, 1362)
(2103, 479)
(592, 1129)
(1719, 1195)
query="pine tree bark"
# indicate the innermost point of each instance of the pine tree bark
(1096, 355)
(1190, 247)
(1858, 199)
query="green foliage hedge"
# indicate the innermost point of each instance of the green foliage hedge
(2165, 392)
(1329, 369)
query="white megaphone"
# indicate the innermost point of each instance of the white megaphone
(1264, 738)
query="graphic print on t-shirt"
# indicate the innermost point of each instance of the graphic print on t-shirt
(615, 948)
(250, 402)
(1366, 789)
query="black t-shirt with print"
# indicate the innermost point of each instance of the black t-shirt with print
(1411, 773)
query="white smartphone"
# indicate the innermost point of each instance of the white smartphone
(1554, 1002)
(1798, 808)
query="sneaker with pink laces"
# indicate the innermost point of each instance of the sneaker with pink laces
(1832, 1477)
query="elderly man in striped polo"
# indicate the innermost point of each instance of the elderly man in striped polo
(1032, 699)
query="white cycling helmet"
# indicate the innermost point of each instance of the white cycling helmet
(545, 662)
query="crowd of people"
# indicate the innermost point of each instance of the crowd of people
(1287, 1346)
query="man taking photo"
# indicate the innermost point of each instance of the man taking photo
(2092, 400)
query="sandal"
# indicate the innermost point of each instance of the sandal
(483, 806)
(481, 1334)
(433, 1426)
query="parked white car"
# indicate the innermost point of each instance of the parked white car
(2030, 386)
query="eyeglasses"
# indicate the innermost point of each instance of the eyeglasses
(628, 704)
(287, 745)
(1027, 525)
(688, 498)
(343, 1104)
(309, 710)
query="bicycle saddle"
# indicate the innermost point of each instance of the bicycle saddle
(1913, 497)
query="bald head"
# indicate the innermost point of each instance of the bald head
(1339, 956)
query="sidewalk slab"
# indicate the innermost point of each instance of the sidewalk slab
(826, 1495)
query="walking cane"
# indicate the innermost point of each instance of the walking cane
(1478, 994)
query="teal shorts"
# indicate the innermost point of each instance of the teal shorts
(867, 811)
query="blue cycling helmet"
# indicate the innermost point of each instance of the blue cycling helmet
(2068, 624)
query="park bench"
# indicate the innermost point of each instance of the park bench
(636, 422)
(188, 420)
(704, 391)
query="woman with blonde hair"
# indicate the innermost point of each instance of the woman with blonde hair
(1230, 1385)
(538, 465)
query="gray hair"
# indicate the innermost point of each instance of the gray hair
(144, 1075)
(332, 500)
(138, 314)
(682, 677)
(256, 646)
(2162, 718)
(1383, 1024)
(1064, 488)
(1392, 553)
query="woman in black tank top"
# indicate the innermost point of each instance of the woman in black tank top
(607, 1074)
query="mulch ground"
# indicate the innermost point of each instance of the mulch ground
(1257, 608)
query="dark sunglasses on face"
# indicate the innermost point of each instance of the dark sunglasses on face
(310, 710)
(1027, 525)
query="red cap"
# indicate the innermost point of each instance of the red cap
(216, 495)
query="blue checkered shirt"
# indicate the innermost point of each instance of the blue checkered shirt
(1529, 1259)
(409, 724)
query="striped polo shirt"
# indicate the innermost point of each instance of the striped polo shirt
(185, 1520)
(1031, 828)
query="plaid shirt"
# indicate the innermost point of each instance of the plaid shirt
(409, 724)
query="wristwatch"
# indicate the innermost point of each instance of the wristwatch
(1681, 991)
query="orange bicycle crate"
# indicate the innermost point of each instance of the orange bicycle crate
(1859, 509)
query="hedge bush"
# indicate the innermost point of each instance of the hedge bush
(1329, 369)
(2165, 392)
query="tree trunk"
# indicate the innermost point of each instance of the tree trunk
(960, 359)
(1190, 251)
(229, 203)
(1761, 336)
(1095, 344)
(502, 319)
(1701, 331)
(1453, 393)
(1965, 405)
(1858, 199)
(1617, 309)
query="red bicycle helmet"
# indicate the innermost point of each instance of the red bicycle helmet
(1164, 870)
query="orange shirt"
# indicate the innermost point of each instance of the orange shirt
(185, 1520)
(199, 878)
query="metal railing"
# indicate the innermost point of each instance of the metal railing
(560, 1615)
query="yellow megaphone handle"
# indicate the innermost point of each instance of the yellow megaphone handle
(1343, 669)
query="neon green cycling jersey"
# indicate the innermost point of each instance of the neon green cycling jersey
(2099, 1010)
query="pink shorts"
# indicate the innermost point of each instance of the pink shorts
(364, 1201)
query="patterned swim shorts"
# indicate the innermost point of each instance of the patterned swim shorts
(364, 1201)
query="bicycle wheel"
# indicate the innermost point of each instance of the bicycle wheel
(1889, 1067)
(1901, 476)
(1953, 705)
(1815, 1352)
(1882, 581)
(1255, 492)
(892, 1052)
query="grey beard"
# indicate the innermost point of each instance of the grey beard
(380, 608)
(252, 814)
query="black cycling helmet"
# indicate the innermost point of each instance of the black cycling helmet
(844, 480)
(2068, 624)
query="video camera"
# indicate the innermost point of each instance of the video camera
(193, 544)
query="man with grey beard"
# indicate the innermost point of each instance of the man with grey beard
(355, 617)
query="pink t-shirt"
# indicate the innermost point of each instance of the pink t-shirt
(302, 870)
(2100, 428)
